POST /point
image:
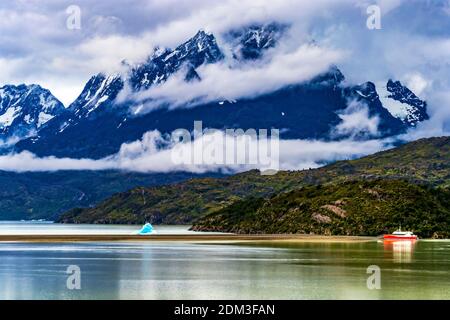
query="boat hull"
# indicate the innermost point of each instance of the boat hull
(394, 237)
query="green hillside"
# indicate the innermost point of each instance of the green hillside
(424, 161)
(45, 195)
(367, 208)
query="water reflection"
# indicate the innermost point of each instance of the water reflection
(167, 270)
(402, 250)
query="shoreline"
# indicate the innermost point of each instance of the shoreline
(182, 238)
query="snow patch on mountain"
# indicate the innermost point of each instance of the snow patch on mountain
(9, 116)
(396, 108)
(99, 89)
(402, 103)
(43, 118)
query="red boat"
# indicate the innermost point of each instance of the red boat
(400, 235)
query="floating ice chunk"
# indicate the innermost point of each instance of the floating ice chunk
(146, 229)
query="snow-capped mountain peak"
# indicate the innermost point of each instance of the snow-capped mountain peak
(98, 90)
(200, 49)
(26, 108)
(97, 124)
(102, 89)
(403, 103)
(202, 43)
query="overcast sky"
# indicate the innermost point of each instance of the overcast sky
(36, 46)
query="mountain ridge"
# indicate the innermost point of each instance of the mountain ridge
(98, 125)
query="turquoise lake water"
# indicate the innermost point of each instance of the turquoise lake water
(173, 270)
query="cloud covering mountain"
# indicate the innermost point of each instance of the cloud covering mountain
(415, 52)
(156, 153)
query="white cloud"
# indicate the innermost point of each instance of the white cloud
(438, 125)
(154, 153)
(356, 122)
(222, 82)
(385, 5)
(417, 83)
(26, 161)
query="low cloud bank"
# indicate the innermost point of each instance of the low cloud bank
(156, 153)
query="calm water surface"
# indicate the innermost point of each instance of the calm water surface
(175, 270)
(38, 227)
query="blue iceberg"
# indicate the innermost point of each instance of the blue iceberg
(146, 229)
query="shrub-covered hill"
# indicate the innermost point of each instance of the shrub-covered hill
(423, 161)
(354, 208)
